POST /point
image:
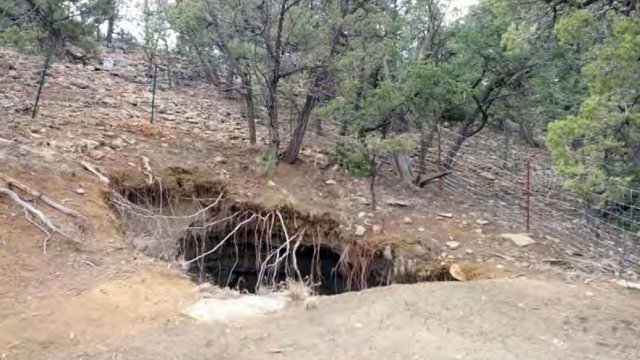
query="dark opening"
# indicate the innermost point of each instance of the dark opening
(237, 267)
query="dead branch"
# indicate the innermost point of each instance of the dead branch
(92, 169)
(147, 170)
(45, 199)
(42, 217)
(423, 182)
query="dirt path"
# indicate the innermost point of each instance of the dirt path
(501, 319)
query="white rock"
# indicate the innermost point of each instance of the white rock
(407, 220)
(487, 175)
(360, 230)
(519, 239)
(220, 160)
(376, 229)
(271, 183)
(96, 154)
(482, 222)
(446, 215)
(453, 245)
(421, 229)
(361, 214)
(397, 203)
(79, 191)
(89, 144)
(330, 182)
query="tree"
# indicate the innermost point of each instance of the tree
(50, 27)
(597, 150)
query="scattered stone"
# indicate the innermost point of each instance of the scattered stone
(220, 160)
(376, 229)
(89, 144)
(360, 230)
(96, 154)
(453, 245)
(271, 183)
(589, 294)
(487, 175)
(499, 266)
(116, 144)
(80, 191)
(80, 83)
(407, 220)
(456, 271)
(397, 203)
(482, 222)
(311, 303)
(446, 215)
(13, 74)
(330, 182)
(519, 239)
(421, 229)
(361, 214)
(168, 117)
(469, 251)
(628, 284)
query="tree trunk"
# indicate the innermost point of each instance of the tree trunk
(110, 24)
(449, 159)
(272, 112)
(426, 138)
(43, 77)
(291, 155)
(318, 124)
(248, 101)
(402, 162)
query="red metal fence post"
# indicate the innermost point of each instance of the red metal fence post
(527, 194)
(441, 180)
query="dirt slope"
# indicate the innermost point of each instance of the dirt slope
(496, 319)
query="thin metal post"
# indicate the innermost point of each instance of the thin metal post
(153, 97)
(527, 194)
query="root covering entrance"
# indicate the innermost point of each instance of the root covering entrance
(246, 245)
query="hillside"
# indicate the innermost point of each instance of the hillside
(118, 295)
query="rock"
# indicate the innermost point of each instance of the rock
(220, 160)
(330, 182)
(407, 220)
(482, 222)
(397, 203)
(421, 229)
(13, 74)
(361, 214)
(453, 245)
(456, 271)
(628, 284)
(487, 175)
(116, 144)
(271, 183)
(89, 144)
(80, 83)
(96, 154)
(519, 239)
(168, 117)
(79, 191)
(360, 230)
(469, 251)
(376, 229)
(446, 215)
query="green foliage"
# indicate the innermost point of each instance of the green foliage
(352, 158)
(597, 151)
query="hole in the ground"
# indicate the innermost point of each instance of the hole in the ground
(247, 246)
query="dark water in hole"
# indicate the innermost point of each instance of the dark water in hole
(238, 270)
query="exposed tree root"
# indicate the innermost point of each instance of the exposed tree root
(92, 169)
(39, 215)
(45, 199)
